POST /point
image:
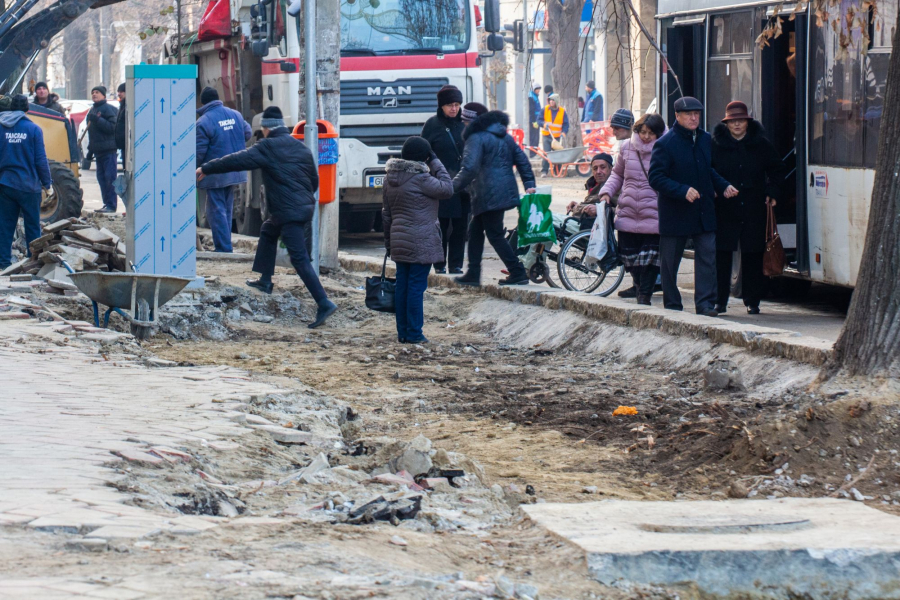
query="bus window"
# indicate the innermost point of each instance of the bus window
(847, 89)
(730, 68)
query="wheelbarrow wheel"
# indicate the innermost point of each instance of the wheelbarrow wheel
(584, 168)
(141, 332)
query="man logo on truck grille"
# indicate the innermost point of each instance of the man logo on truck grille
(400, 90)
(389, 103)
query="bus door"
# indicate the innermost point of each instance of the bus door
(783, 114)
(686, 53)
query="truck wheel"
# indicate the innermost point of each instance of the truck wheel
(67, 199)
(249, 221)
(360, 222)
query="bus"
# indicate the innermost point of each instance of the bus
(814, 75)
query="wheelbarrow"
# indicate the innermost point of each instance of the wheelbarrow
(561, 160)
(142, 293)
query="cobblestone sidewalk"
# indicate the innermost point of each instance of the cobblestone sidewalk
(71, 411)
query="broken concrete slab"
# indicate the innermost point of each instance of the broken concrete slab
(93, 236)
(791, 547)
(229, 256)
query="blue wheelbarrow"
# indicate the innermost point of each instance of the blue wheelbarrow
(141, 293)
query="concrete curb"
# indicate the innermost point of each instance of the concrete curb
(777, 343)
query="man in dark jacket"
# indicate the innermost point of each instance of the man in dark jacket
(44, 99)
(291, 179)
(593, 104)
(681, 174)
(444, 133)
(534, 110)
(121, 122)
(488, 161)
(220, 131)
(24, 170)
(101, 128)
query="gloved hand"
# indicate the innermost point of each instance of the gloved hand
(430, 158)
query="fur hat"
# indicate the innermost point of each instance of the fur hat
(208, 95)
(448, 95)
(99, 88)
(416, 148)
(472, 111)
(19, 102)
(272, 118)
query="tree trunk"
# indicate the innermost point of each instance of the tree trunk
(76, 59)
(869, 343)
(566, 44)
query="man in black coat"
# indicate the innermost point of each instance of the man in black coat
(742, 154)
(444, 132)
(681, 174)
(535, 108)
(487, 164)
(291, 179)
(121, 122)
(101, 128)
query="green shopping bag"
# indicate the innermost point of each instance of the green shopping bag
(535, 219)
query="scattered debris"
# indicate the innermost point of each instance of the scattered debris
(625, 410)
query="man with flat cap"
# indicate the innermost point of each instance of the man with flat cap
(681, 173)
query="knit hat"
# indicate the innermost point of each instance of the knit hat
(548, 89)
(19, 102)
(99, 88)
(121, 87)
(208, 95)
(272, 118)
(623, 118)
(41, 84)
(554, 97)
(472, 111)
(603, 156)
(416, 148)
(448, 95)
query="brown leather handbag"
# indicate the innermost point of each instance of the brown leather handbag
(773, 258)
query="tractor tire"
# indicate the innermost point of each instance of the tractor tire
(67, 200)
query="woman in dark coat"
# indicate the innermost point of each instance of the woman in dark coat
(414, 185)
(743, 155)
(444, 132)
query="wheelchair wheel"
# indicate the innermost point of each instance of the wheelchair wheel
(540, 273)
(578, 277)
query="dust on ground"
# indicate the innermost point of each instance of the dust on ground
(525, 425)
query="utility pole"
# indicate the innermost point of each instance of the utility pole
(526, 80)
(328, 43)
(311, 132)
(178, 29)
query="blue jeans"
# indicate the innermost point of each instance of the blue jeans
(219, 212)
(412, 281)
(106, 175)
(13, 201)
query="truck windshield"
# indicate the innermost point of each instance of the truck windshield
(379, 27)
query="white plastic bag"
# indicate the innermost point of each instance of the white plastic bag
(597, 246)
(282, 258)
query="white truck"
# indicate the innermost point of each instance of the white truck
(395, 56)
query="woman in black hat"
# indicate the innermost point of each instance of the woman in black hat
(742, 155)
(444, 132)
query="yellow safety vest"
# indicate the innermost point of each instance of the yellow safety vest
(554, 125)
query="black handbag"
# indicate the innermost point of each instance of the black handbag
(380, 291)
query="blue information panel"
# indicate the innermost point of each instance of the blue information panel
(162, 206)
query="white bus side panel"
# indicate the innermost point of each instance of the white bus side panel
(838, 212)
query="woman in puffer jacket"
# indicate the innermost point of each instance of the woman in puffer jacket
(413, 188)
(637, 216)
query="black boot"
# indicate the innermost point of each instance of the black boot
(516, 277)
(629, 293)
(326, 309)
(263, 286)
(470, 278)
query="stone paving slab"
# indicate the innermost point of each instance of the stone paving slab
(70, 417)
(791, 547)
(778, 343)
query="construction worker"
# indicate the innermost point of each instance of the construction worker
(554, 124)
(220, 131)
(101, 128)
(24, 171)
